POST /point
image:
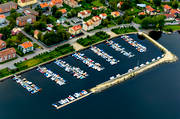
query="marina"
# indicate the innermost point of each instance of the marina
(55, 93)
(104, 55)
(75, 71)
(29, 86)
(119, 48)
(89, 62)
(134, 43)
(49, 74)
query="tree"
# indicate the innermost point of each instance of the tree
(105, 22)
(58, 14)
(175, 4)
(157, 2)
(53, 10)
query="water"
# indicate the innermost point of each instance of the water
(151, 95)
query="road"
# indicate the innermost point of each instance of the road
(48, 49)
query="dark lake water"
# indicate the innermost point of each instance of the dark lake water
(154, 94)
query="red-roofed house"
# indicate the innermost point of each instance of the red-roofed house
(141, 13)
(23, 20)
(174, 12)
(166, 8)
(150, 10)
(57, 3)
(2, 44)
(85, 13)
(63, 11)
(2, 19)
(115, 14)
(103, 16)
(93, 22)
(7, 54)
(26, 47)
(75, 30)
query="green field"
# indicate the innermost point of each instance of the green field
(124, 30)
(172, 27)
(97, 3)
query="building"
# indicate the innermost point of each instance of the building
(71, 3)
(24, 3)
(150, 10)
(7, 54)
(6, 7)
(83, 14)
(167, 8)
(119, 5)
(15, 31)
(92, 23)
(63, 11)
(141, 13)
(44, 6)
(75, 30)
(115, 14)
(23, 20)
(2, 44)
(26, 47)
(36, 32)
(29, 11)
(2, 19)
(57, 3)
(103, 16)
(169, 17)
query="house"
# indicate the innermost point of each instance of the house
(7, 54)
(63, 11)
(26, 47)
(141, 13)
(92, 23)
(169, 17)
(71, 3)
(23, 20)
(95, 8)
(115, 14)
(174, 12)
(57, 3)
(83, 14)
(6, 7)
(15, 31)
(167, 8)
(2, 19)
(24, 3)
(165, 0)
(75, 30)
(62, 20)
(44, 6)
(103, 16)
(150, 10)
(29, 11)
(36, 32)
(120, 4)
(2, 44)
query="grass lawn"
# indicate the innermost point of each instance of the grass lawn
(173, 27)
(124, 30)
(97, 3)
(4, 72)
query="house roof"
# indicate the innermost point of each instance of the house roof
(142, 13)
(167, 7)
(103, 14)
(174, 11)
(115, 13)
(43, 5)
(54, 2)
(63, 11)
(7, 52)
(85, 12)
(149, 8)
(77, 27)
(169, 15)
(2, 16)
(30, 11)
(26, 44)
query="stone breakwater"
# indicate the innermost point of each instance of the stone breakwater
(168, 58)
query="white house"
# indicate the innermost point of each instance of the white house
(26, 47)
